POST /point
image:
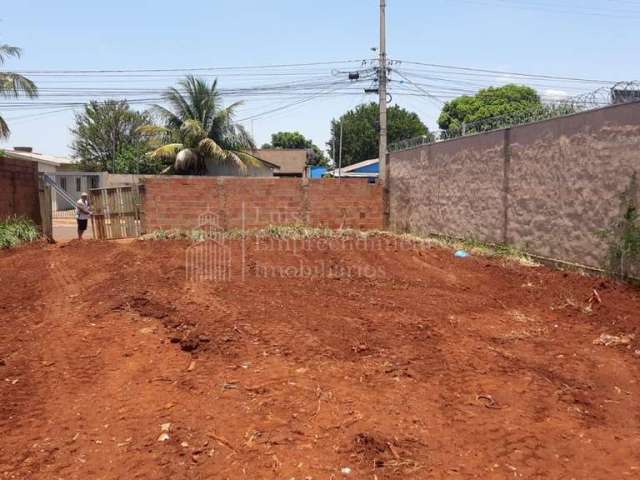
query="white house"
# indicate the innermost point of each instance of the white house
(74, 182)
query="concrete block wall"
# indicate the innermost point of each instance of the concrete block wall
(234, 203)
(453, 187)
(548, 188)
(566, 178)
(19, 189)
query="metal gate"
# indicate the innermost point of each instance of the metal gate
(117, 212)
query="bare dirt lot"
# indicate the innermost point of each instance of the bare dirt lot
(387, 363)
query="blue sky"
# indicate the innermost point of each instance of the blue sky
(591, 39)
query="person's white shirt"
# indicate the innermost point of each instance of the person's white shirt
(80, 214)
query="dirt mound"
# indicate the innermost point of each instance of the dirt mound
(310, 362)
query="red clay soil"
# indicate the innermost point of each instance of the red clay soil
(368, 363)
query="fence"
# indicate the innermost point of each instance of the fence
(237, 203)
(549, 188)
(116, 212)
(622, 92)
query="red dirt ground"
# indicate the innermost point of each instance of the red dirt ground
(426, 367)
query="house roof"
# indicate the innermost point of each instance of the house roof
(36, 157)
(265, 162)
(292, 160)
(351, 169)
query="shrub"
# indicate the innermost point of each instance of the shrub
(624, 236)
(17, 230)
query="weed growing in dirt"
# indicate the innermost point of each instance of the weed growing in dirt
(193, 235)
(480, 248)
(623, 236)
(290, 232)
(510, 252)
(17, 230)
(303, 232)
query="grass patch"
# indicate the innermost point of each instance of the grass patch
(283, 232)
(17, 230)
(302, 232)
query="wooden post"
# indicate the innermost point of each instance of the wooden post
(46, 213)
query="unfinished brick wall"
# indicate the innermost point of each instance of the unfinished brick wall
(191, 202)
(19, 189)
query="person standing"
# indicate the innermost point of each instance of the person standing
(83, 213)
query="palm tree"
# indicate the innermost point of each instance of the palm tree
(198, 134)
(13, 84)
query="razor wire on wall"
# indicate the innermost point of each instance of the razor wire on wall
(622, 92)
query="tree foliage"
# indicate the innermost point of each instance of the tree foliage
(198, 134)
(360, 131)
(13, 85)
(106, 138)
(133, 159)
(298, 140)
(487, 103)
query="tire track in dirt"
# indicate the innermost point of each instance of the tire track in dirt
(304, 376)
(57, 348)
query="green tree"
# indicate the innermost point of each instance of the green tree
(360, 131)
(297, 140)
(106, 137)
(487, 103)
(133, 159)
(13, 84)
(198, 134)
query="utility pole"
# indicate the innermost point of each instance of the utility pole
(334, 151)
(382, 88)
(340, 157)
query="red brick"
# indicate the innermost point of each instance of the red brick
(179, 201)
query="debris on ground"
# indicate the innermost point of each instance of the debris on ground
(488, 401)
(613, 340)
(165, 428)
(595, 297)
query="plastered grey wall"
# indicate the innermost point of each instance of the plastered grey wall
(450, 188)
(548, 187)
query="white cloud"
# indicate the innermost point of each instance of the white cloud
(505, 79)
(552, 94)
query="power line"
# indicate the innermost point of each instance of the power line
(190, 69)
(283, 107)
(572, 9)
(419, 88)
(513, 74)
(444, 82)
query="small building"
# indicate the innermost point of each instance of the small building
(367, 169)
(292, 162)
(46, 163)
(63, 170)
(317, 171)
(261, 168)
